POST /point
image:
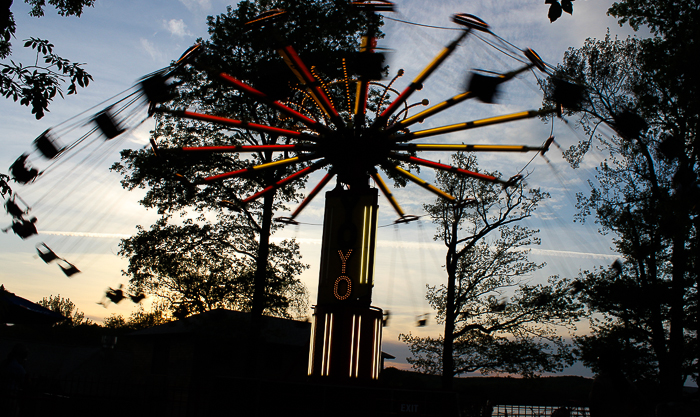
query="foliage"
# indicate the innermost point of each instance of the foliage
(646, 191)
(556, 8)
(494, 320)
(201, 267)
(37, 84)
(230, 259)
(138, 320)
(67, 309)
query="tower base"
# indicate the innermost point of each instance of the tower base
(346, 343)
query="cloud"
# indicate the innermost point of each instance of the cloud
(176, 27)
(194, 5)
(150, 48)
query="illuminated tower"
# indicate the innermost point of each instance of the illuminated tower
(347, 330)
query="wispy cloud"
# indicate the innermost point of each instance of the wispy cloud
(151, 50)
(176, 27)
(195, 5)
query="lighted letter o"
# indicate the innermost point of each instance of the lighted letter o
(335, 287)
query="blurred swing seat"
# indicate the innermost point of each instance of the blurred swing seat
(45, 253)
(20, 172)
(157, 90)
(115, 296)
(47, 145)
(69, 269)
(14, 210)
(137, 298)
(25, 228)
(484, 87)
(109, 127)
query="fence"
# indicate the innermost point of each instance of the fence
(535, 411)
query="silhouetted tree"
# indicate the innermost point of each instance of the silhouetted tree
(199, 267)
(67, 309)
(139, 319)
(37, 84)
(494, 321)
(214, 250)
(647, 192)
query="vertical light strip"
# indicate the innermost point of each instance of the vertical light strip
(352, 343)
(357, 351)
(379, 344)
(377, 347)
(312, 349)
(324, 352)
(365, 249)
(374, 351)
(330, 342)
(370, 242)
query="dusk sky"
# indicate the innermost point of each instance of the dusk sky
(82, 210)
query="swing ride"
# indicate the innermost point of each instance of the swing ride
(328, 127)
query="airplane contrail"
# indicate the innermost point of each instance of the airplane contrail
(438, 246)
(86, 234)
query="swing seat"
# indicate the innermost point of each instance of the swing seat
(115, 296)
(25, 228)
(286, 220)
(567, 94)
(629, 124)
(470, 21)
(385, 318)
(70, 269)
(47, 145)
(109, 127)
(368, 66)
(484, 87)
(137, 298)
(406, 218)
(21, 173)
(46, 254)
(14, 210)
(157, 90)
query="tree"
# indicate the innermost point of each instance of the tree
(67, 309)
(646, 191)
(232, 248)
(36, 85)
(494, 321)
(200, 267)
(139, 319)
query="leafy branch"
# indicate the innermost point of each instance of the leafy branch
(37, 85)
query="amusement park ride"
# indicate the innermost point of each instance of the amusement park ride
(351, 147)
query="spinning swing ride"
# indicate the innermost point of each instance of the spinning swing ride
(352, 147)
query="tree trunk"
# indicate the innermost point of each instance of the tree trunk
(448, 346)
(259, 293)
(259, 282)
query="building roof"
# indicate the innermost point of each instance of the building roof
(229, 323)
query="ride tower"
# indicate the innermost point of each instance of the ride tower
(346, 329)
